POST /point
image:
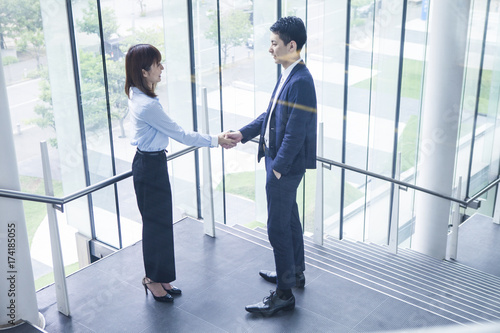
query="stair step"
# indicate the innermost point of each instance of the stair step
(459, 304)
(425, 265)
(377, 254)
(420, 257)
(460, 268)
(373, 267)
(389, 267)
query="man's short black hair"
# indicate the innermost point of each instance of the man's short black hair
(290, 28)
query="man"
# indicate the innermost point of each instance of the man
(288, 142)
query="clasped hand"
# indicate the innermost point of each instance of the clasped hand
(229, 139)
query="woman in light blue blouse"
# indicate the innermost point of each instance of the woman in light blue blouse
(151, 130)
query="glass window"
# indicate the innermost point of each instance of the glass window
(469, 94)
(248, 79)
(223, 47)
(327, 66)
(177, 100)
(37, 66)
(96, 114)
(485, 155)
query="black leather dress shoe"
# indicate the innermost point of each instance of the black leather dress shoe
(272, 304)
(300, 280)
(270, 276)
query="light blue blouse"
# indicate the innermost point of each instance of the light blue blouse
(152, 127)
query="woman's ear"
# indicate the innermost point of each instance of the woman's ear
(144, 73)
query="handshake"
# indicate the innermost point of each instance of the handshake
(229, 139)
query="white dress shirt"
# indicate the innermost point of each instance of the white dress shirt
(284, 76)
(152, 127)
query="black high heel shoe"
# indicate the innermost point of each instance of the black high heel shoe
(173, 291)
(166, 298)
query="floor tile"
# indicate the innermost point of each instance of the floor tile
(219, 277)
(397, 315)
(338, 299)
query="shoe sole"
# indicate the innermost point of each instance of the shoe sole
(288, 308)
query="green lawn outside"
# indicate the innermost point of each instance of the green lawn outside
(243, 184)
(411, 86)
(412, 82)
(49, 278)
(35, 212)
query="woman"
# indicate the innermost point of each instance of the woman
(151, 130)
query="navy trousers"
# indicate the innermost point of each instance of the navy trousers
(154, 199)
(283, 225)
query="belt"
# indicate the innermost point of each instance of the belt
(265, 148)
(151, 153)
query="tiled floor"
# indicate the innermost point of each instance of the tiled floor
(478, 240)
(218, 278)
(24, 328)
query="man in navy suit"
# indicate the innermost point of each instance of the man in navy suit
(288, 142)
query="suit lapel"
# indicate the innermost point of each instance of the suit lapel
(294, 70)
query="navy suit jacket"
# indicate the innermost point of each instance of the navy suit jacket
(292, 131)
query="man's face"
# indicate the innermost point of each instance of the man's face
(280, 52)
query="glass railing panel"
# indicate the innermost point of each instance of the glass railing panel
(406, 219)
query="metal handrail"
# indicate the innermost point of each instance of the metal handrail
(483, 191)
(30, 197)
(59, 202)
(78, 194)
(462, 203)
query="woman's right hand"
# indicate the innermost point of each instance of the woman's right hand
(225, 141)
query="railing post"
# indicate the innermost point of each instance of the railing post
(319, 210)
(394, 228)
(55, 240)
(452, 243)
(207, 191)
(496, 214)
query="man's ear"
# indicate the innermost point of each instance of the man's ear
(292, 46)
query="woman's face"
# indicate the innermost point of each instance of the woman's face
(153, 76)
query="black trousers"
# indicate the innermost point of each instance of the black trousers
(283, 225)
(154, 198)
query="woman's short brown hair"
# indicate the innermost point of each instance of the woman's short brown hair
(139, 57)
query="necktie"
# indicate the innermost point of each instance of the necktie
(275, 100)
